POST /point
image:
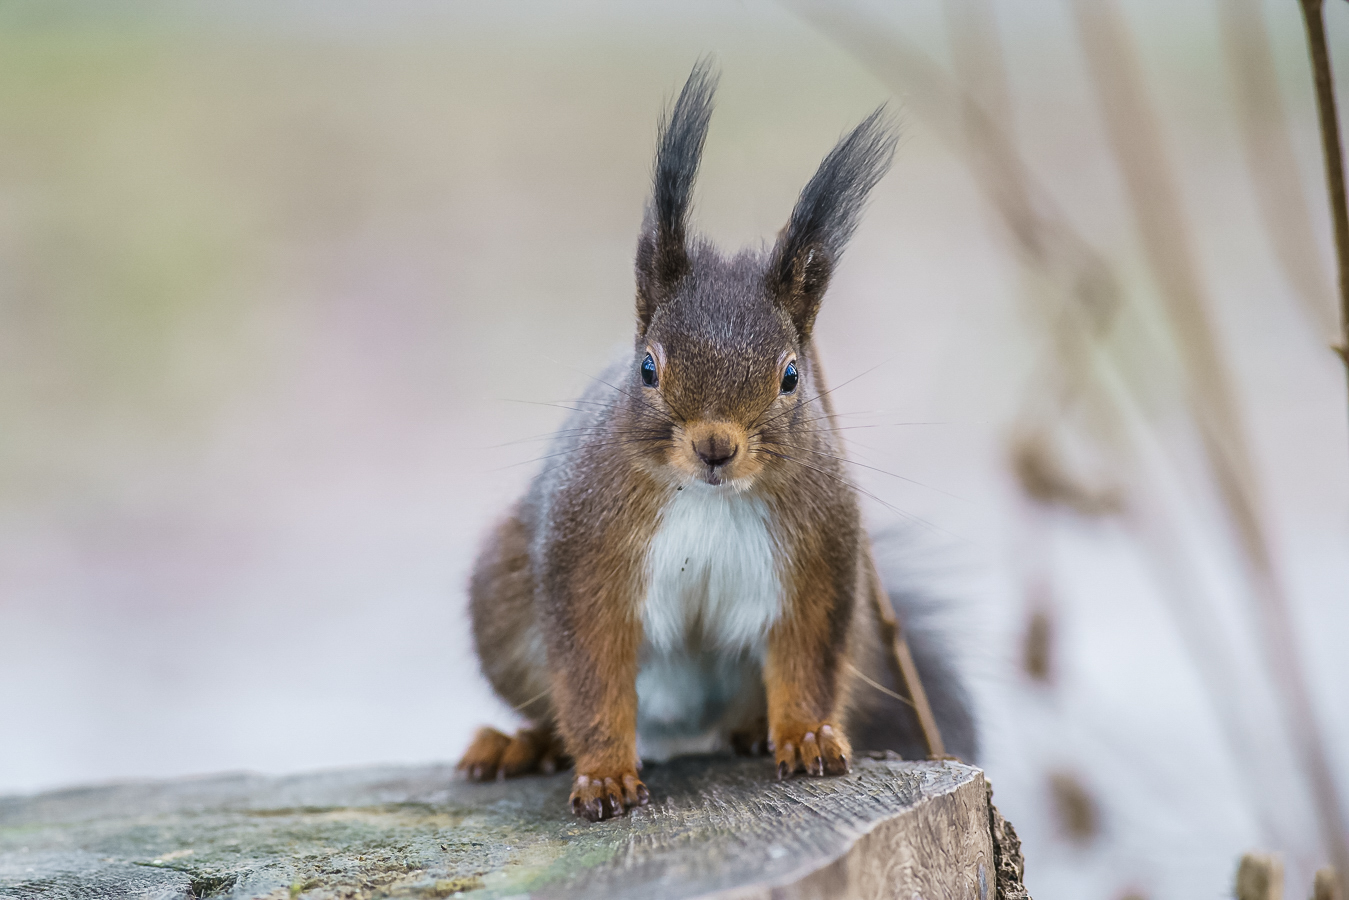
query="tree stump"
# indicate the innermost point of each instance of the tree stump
(716, 827)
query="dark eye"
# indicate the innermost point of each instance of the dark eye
(648, 371)
(789, 378)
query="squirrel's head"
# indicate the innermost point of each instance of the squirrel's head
(722, 378)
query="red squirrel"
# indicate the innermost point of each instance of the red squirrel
(690, 572)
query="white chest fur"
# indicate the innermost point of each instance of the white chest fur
(712, 572)
(714, 591)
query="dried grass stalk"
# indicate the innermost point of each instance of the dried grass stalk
(1334, 160)
(1284, 210)
(1137, 144)
(893, 635)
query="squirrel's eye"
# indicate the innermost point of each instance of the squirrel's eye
(649, 371)
(789, 378)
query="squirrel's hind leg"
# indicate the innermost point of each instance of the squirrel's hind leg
(751, 739)
(494, 755)
(510, 645)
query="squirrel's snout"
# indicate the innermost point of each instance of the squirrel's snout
(715, 449)
(711, 452)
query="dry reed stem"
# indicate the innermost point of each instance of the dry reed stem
(893, 635)
(1313, 18)
(1284, 211)
(1334, 161)
(1137, 144)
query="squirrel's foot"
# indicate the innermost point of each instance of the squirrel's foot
(752, 740)
(495, 755)
(816, 749)
(600, 795)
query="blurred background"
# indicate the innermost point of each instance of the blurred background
(289, 292)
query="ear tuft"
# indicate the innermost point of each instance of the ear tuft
(825, 216)
(662, 249)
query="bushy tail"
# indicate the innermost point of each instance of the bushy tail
(881, 722)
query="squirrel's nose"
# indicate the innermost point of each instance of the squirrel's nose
(715, 449)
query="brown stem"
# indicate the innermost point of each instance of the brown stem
(893, 634)
(1290, 227)
(1330, 149)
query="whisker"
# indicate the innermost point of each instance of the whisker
(875, 425)
(659, 412)
(862, 675)
(863, 491)
(885, 425)
(558, 404)
(854, 462)
(552, 402)
(875, 411)
(572, 432)
(569, 452)
(826, 393)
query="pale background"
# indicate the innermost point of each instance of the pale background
(281, 284)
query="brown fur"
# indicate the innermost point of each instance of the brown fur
(592, 574)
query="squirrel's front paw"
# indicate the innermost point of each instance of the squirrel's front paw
(601, 795)
(816, 749)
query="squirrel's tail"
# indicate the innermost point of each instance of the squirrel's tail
(881, 722)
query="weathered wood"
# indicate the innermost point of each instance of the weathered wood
(715, 828)
(1007, 860)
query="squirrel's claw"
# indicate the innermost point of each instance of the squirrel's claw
(493, 755)
(597, 797)
(483, 758)
(816, 750)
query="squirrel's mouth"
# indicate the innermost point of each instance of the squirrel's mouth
(731, 478)
(735, 476)
(718, 470)
(715, 453)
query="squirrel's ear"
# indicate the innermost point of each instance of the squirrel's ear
(824, 218)
(662, 249)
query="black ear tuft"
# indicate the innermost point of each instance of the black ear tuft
(826, 215)
(662, 250)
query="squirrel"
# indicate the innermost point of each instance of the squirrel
(691, 573)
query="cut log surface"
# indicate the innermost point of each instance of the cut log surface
(716, 827)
